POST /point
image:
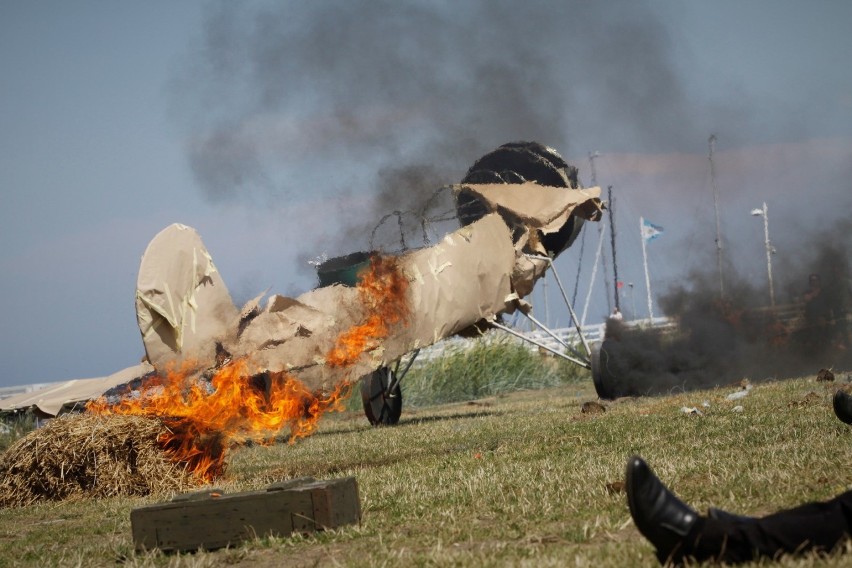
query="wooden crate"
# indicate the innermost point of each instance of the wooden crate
(210, 519)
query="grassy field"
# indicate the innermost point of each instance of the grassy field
(521, 479)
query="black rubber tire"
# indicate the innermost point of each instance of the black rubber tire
(381, 409)
(515, 163)
(606, 373)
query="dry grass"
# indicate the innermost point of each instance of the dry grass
(82, 455)
(486, 367)
(520, 480)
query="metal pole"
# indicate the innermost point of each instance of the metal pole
(601, 227)
(645, 263)
(611, 207)
(605, 267)
(632, 300)
(594, 274)
(765, 214)
(592, 156)
(712, 142)
(768, 254)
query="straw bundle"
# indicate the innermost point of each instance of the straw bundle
(84, 455)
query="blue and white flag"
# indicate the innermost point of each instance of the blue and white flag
(650, 231)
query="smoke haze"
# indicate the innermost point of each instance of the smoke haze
(405, 85)
(720, 340)
(283, 130)
(387, 102)
(290, 102)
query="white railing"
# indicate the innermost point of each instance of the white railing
(569, 335)
(791, 315)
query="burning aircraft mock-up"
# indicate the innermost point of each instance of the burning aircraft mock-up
(229, 373)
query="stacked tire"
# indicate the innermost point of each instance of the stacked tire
(517, 163)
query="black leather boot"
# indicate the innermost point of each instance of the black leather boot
(659, 515)
(726, 517)
(843, 406)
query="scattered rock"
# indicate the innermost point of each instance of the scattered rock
(809, 399)
(592, 407)
(825, 375)
(736, 395)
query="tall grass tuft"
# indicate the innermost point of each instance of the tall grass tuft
(488, 368)
(13, 427)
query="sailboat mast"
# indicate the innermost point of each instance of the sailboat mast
(592, 156)
(712, 142)
(645, 264)
(611, 207)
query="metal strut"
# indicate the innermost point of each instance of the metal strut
(584, 364)
(558, 339)
(580, 360)
(574, 319)
(396, 376)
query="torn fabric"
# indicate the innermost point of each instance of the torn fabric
(182, 304)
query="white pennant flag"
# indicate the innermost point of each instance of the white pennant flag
(650, 231)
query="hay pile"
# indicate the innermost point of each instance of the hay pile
(85, 455)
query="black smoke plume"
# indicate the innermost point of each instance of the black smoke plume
(299, 94)
(720, 340)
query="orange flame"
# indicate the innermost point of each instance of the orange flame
(382, 290)
(203, 421)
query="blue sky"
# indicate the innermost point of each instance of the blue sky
(271, 127)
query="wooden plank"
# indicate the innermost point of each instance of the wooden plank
(209, 519)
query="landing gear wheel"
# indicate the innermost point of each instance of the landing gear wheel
(609, 371)
(382, 409)
(602, 388)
